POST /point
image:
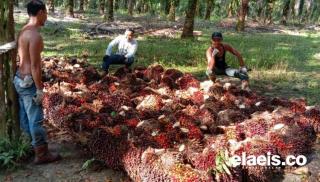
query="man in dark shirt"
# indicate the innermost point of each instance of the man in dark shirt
(216, 57)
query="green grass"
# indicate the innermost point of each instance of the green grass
(283, 65)
(12, 153)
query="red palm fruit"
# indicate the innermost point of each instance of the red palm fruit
(107, 80)
(180, 172)
(298, 105)
(191, 110)
(190, 147)
(258, 147)
(169, 78)
(122, 72)
(61, 75)
(218, 142)
(143, 139)
(185, 120)
(64, 117)
(154, 73)
(282, 112)
(187, 81)
(168, 82)
(166, 166)
(108, 148)
(139, 72)
(117, 131)
(205, 161)
(91, 124)
(262, 104)
(292, 139)
(216, 91)
(75, 100)
(132, 122)
(52, 99)
(228, 100)
(97, 87)
(162, 140)
(114, 102)
(198, 98)
(175, 135)
(243, 93)
(194, 132)
(105, 119)
(205, 117)
(256, 128)
(214, 105)
(112, 88)
(313, 116)
(173, 73)
(229, 116)
(150, 103)
(235, 132)
(89, 75)
(280, 102)
(240, 132)
(132, 163)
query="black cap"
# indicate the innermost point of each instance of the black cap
(216, 35)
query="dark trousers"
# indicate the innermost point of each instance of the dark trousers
(116, 59)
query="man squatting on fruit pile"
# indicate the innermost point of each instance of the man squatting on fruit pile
(127, 48)
(28, 83)
(216, 57)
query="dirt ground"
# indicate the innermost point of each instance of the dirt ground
(69, 169)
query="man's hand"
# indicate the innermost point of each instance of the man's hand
(215, 52)
(211, 75)
(209, 72)
(38, 97)
(108, 52)
(243, 69)
(27, 82)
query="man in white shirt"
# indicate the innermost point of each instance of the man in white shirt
(127, 47)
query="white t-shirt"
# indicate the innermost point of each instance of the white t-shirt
(125, 47)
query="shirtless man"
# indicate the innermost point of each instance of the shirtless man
(216, 57)
(28, 82)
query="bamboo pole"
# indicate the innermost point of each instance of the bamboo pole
(12, 95)
(3, 121)
(5, 89)
(6, 84)
(9, 120)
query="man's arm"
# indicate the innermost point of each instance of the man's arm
(236, 53)
(111, 44)
(35, 49)
(132, 50)
(210, 59)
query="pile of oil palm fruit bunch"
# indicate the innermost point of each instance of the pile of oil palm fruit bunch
(160, 124)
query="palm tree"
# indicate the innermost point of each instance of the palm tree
(189, 21)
